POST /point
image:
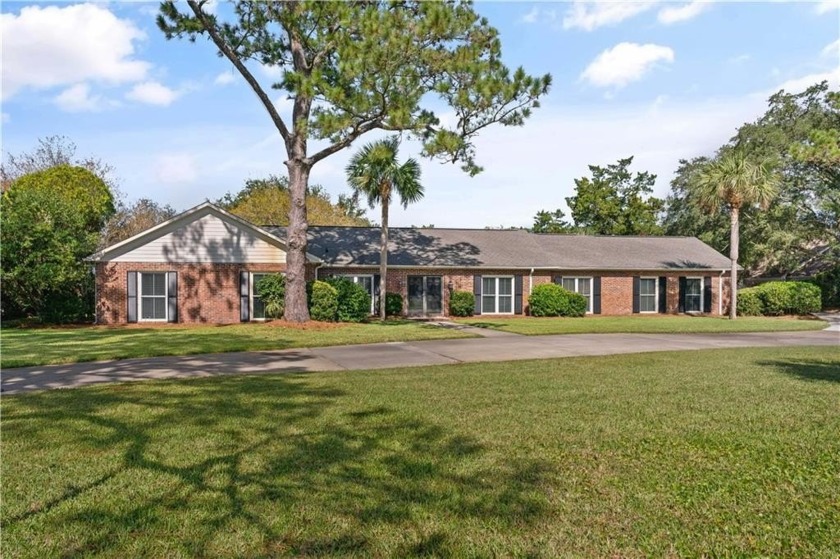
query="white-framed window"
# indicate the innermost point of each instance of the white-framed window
(257, 304)
(648, 294)
(152, 302)
(497, 294)
(694, 294)
(365, 281)
(582, 286)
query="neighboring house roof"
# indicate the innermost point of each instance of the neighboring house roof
(493, 248)
(187, 238)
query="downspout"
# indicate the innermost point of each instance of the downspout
(316, 270)
(95, 295)
(720, 293)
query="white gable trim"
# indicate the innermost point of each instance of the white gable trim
(181, 220)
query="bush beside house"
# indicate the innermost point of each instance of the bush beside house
(272, 290)
(462, 303)
(323, 302)
(393, 304)
(779, 298)
(552, 300)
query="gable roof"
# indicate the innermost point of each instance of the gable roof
(492, 248)
(181, 220)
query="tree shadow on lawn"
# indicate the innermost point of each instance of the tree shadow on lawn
(807, 369)
(285, 465)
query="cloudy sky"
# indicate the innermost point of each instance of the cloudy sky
(657, 80)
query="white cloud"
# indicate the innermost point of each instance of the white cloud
(832, 50)
(588, 15)
(826, 6)
(676, 14)
(625, 63)
(532, 16)
(52, 46)
(740, 59)
(153, 93)
(77, 99)
(537, 15)
(224, 78)
(797, 85)
(179, 168)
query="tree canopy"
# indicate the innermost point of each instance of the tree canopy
(353, 67)
(266, 202)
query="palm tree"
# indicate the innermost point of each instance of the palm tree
(375, 173)
(735, 181)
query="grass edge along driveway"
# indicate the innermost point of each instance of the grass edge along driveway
(654, 324)
(712, 453)
(22, 347)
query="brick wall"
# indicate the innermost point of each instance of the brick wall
(207, 293)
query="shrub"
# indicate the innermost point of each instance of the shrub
(780, 297)
(272, 290)
(353, 300)
(552, 300)
(829, 284)
(393, 304)
(462, 303)
(749, 302)
(323, 302)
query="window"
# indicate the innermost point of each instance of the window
(153, 292)
(693, 294)
(497, 295)
(257, 304)
(648, 295)
(582, 286)
(367, 283)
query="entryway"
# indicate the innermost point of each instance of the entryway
(425, 295)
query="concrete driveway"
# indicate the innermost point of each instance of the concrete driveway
(497, 347)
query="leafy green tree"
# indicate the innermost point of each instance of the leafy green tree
(51, 222)
(353, 67)
(615, 202)
(267, 202)
(133, 218)
(551, 222)
(735, 181)
(375, 173)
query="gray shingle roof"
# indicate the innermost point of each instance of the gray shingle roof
(488, 248)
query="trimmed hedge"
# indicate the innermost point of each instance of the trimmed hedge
(779, 298)
(462, 303)
(393, 304)
(552, 300)
(353, 300)
(323, 302)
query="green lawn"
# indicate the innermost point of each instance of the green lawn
(713, 453)
(657, 324)
(41, 346)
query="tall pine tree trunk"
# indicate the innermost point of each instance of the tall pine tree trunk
(734, 216)
(383, 252)
(297, 309)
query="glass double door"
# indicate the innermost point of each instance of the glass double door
(425, 295)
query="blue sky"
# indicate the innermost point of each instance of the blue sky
(657, 80)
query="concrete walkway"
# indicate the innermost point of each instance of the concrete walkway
(397, 354)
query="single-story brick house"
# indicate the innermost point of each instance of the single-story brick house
(201, 266)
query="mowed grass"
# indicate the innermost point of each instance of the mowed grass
(41, 346)
(654, 324)
(704, 453)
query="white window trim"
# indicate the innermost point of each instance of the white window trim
(496, 295)
(590, 301)
(655, 296)
(702, 292)
(352, 277)
(252, 293)
(140, 297)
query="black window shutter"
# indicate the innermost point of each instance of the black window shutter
(682, 294)
(477, 293)
(377, 280)
(172, 299)
(637, 294)
(557, 279)
(596, 295)
(131, 299)
(707, 294)
(517, 294)
(244, 299)
(663, 294)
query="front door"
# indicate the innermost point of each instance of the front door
(425, 295)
